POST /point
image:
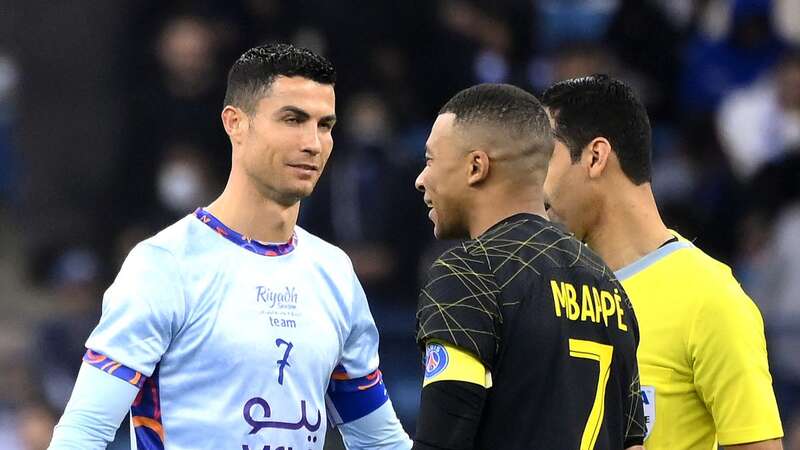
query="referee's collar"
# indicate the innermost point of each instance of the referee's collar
(651, 258)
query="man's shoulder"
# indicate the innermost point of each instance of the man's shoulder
(320, 248)
(468, 257)
(696, 280)
(700, 271)
(160, 253)
(680, 262)
(534, 242)
(177, 239)
(459, 276)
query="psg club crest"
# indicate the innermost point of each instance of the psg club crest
(649, 403)
(436, 360)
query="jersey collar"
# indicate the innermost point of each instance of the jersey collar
(652, 258)
(257, 247)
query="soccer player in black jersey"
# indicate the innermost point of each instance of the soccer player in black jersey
(530, 342)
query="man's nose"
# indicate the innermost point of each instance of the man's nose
(312, 143)
(419, 183)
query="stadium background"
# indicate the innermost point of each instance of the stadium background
(109, 130)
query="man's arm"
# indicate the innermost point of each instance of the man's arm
(458, 326)
(449, 414)
(359, 404)
(141, 310)
(379, 429)
(361, 409)
(453, 396)
(98, 404)
(731, 373)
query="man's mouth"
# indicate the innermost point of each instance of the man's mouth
(303, 166)
(431, 209)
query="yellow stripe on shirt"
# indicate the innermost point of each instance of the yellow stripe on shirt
(445, 362)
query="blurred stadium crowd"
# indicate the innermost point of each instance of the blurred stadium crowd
(109, 130)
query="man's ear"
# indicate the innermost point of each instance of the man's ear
(236, 122)
(595, 156)
(478, 167)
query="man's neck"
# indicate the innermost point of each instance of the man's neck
(628, 227)
(490, 209)
(249, 212)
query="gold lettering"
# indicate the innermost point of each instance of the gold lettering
(598, 305)
(593, 305)
(573, 309)
(620, 312)
(558, 297)
(608, 305)
(587, 310)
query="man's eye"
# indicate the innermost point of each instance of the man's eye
(291, 120)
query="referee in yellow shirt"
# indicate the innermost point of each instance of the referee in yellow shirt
(702, 355)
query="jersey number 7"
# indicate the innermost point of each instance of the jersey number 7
(602, 354)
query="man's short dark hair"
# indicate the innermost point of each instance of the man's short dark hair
(253, 73)
(598, 106)
(507, 108)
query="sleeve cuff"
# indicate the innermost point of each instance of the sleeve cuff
(750, 434)
(114, 368)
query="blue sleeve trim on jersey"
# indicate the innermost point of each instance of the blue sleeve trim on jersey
(114, 368)
(351, 399)
(146, 416)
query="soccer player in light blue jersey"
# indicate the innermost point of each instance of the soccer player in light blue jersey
(234, 328)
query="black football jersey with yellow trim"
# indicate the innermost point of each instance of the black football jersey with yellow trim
(550, 321)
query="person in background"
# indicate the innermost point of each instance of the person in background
(703, 357)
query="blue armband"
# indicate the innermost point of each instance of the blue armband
(351, 399)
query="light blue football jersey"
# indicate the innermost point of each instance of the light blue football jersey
(233, 342)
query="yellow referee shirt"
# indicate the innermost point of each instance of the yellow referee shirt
(702, 354)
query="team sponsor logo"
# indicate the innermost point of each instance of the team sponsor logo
(436, 359)
(649, 402)
(282, 323)
(285, 298)
(257, 413)
(280, 305)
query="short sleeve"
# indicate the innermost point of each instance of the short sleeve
(356, 388)
(458, 305)
(360, 353)
(729, 357)
(142, 310)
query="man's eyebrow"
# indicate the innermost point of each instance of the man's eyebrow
(302, 114)
(295, 110)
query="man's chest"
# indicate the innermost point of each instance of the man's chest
(274, 324)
